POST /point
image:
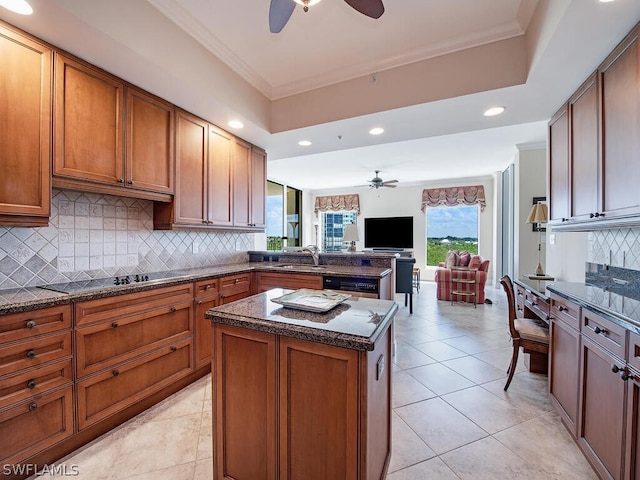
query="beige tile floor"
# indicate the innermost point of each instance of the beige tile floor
(451, 418)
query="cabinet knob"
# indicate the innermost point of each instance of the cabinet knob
(31, 354)
(208, 287)
(615, 368)
(600, 331)
(173, 308)
(624, 375)
(31, 324)
(115, 372)
(130, 182)
(173, 349)
(31, 384)
(121, 180)
(114, 324)
(33, 407)
(199, 302)
(562, 309)
(591, 215)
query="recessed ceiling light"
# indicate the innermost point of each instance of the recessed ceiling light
(605, 1)
(236, 124)
(304, 143)
(17, 6)
(493, 111)
(376, 131)
(310, 3)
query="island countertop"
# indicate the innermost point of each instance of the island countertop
(354, 324)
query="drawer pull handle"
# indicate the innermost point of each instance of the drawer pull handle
(615, 368)
(199, 302)
(31, 324)
(600, 331)
(33, 407)
(534, 304)
(31, 354)
(31, 384)
(173, 308)
(114, 325)
(173, 349)
(121, 180)
(624, 375)
(208, 287)
(562, 309)
(115, 373)
(237, 280)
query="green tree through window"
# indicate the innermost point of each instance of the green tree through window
(450, 228)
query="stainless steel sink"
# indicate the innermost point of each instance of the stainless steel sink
(300, 266)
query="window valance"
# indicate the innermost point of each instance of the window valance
(454, 196)
(336, 203)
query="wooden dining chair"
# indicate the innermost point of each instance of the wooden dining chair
(529, 333)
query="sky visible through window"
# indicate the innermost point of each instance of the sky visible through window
(460, 222)
(275, 212)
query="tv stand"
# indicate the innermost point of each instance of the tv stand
(401, 251)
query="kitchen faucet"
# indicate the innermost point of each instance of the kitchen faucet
(314, 251)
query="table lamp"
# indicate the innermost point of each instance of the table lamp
(351, 235)
(538, 214)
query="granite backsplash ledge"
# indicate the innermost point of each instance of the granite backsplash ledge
(95, 236)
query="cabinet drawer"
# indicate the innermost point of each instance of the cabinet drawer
(267, 281)
(206, 287)
(235, 287)
(94, 311)
(28, 324)
(605, 333)
(537, 305)
(634, 351)
(35, 381)
(565, 310)
(34, 352)
(520, 300)
(33, 426)
(109, 392)
(121, 338)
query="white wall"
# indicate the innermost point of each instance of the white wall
(406, 201)
(531, 179)
(566, 254)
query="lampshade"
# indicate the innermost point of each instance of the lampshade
(538, 214)
(350, 233)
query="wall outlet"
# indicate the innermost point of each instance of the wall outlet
(552, 239)
(195, 247)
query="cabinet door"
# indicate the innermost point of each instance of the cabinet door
(25, 131)
(220, 177)
(632, 450)
(244, 392)
(585, 157)
(204, 330)
(601, 420)
(620, 126)
(559, 166)
(258, 187)
(191, 170)
(564, 371)
(88, 128)
(149, 143)
(318, 419)
(241, 184)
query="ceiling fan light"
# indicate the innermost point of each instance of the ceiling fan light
(308, 3)
(17, 6)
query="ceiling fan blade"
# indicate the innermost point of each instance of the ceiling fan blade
(390, 181)
(385, 184)
(370, 8)
(279, 13)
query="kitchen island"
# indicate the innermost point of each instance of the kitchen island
(298, 394)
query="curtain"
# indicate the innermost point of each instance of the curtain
(336, 203)
(454, 196)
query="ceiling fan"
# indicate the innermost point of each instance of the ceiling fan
(376, 182)
(281, 10)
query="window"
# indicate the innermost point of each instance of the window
(332, 228)
(281, 198)
(451, 228)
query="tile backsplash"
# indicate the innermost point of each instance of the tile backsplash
(95, 236)
(616, 247)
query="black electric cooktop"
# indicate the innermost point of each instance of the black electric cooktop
(83, 286)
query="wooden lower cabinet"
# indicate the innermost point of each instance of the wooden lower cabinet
(602, 415)
(112, 390)
(293, 409)
(564, 366)
(235, 287)
(632, 438)
(207, 296)
(32, 426)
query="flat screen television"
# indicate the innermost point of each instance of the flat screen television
(388, 232)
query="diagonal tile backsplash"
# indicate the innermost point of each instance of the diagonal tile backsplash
(616, 247)
(95, 236)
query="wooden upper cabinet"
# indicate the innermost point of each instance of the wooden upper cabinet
(191, 162)
(258, 187)
(220, 177)
(242, 183)
(559, 166)
(620, 78)
(88, 111)
(25, 126)
(149, 142)
(96, 144)
(585, 153)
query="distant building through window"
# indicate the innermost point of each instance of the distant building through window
(450, 228)
(332, 228)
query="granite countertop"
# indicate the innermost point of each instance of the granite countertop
(355, 324)
(25, 299)
(614, 304)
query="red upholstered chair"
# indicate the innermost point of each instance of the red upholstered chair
(477, 270)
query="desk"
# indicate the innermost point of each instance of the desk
(533, 302)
